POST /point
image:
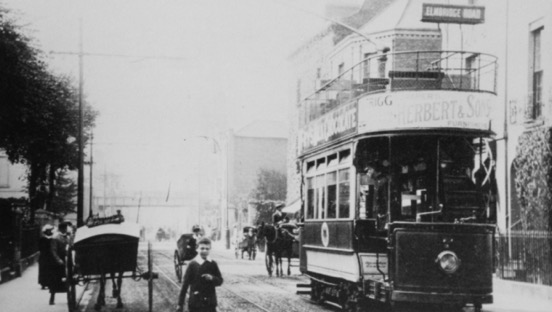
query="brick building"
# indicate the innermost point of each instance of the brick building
(259, 145)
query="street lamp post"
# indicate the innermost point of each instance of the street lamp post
(217, 146)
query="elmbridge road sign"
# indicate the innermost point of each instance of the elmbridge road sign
(458, 14)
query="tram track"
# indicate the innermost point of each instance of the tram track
(225, 288)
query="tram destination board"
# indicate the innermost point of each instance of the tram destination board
(456, 14)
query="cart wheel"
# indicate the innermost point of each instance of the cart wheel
(70, 283)
(269, 266)
(177, 267)
(150, 278)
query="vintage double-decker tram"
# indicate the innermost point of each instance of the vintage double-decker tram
(398, 187)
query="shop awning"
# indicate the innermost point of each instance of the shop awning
(293, 207)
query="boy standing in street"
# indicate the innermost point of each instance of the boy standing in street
(202, 276)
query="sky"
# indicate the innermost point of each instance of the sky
(162, 72)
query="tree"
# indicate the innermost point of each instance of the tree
(269, 191)
(38, 113)
(63, 200)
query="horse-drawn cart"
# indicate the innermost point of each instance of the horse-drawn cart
(106, 249)
(185, 251)
(247, 243)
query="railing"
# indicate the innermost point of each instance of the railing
(405, 71)
(29, 241)
(526, 256)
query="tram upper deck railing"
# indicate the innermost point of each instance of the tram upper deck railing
(405, 71)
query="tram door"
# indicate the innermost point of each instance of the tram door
(374, 170)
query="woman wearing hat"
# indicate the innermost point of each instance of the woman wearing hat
(45, 262)
(58, 245)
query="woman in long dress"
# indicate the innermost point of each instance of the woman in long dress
(45, 261)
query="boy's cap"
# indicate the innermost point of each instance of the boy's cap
(204, 241)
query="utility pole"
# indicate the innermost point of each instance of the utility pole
(80, 167)
(91, 171)
(80, 178)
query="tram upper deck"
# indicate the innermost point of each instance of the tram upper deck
(419, 90)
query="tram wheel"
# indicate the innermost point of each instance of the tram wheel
(69, 281)
(349, 299)
(177, 266)
(316, 292)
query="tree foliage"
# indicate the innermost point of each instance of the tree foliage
(270, 190)
(66, 190)
(38, 113)
(533, 179)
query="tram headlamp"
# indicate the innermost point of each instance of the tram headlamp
(448, 261)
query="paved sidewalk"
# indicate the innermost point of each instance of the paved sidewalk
(25, 294)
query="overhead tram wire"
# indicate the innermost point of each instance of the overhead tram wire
(81, 54)
(378, 48)
(154, 57)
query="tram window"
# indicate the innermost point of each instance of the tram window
(320, 194)
(331, 181)
(320, 164)
(344, 193)
(310, 198)
(344, 156)
(310, 167)
(332, 160)
(413, 187)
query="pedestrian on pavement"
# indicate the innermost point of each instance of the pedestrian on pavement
(202, 276)
(58, 247)
(45, 261)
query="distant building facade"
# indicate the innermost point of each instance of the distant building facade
(12, 178)
(260, 145)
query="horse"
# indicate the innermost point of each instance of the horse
(107, 262)
(117, 281)
(277, 243)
